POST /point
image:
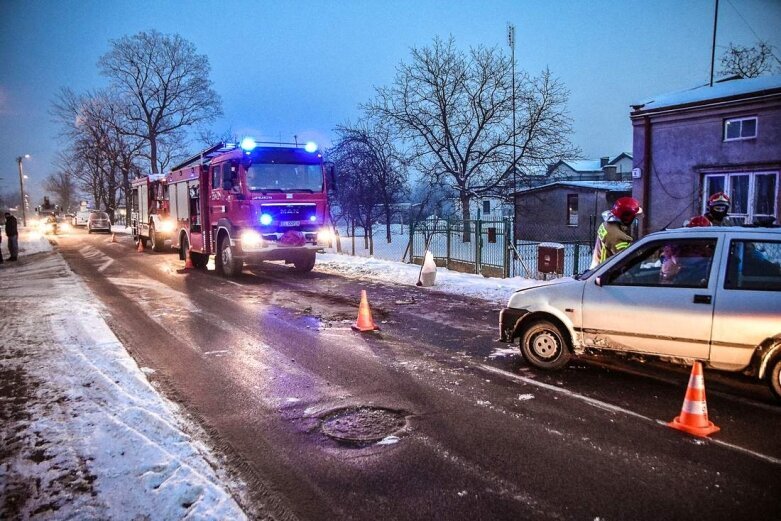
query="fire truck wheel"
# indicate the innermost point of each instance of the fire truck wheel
(157, 242)
(304, 264)
(199, 260)
(226, 262)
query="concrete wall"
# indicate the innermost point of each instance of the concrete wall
(686, 144)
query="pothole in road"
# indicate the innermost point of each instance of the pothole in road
(362, 424)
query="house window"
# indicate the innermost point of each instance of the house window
(740, 128)
(572, 209)
(486, 207)
(753, 195)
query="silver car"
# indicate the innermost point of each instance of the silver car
(98, 222)
(708, 294)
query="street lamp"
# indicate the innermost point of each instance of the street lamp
(21, 185)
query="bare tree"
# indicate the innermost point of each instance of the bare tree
(63, 186)
(167, 84)
(454, 110)
(386, 171)
(358, 199)
(748, 62)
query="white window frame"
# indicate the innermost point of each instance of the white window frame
(748, 218)
(741, 120)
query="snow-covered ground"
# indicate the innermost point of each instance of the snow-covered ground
(84, 434)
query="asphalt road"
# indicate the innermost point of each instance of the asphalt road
(267, 364)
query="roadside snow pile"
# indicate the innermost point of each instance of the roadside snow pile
(84, 433)
(490, 289)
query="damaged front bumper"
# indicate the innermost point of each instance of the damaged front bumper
(508, 323)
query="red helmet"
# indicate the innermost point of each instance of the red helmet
(626, 209)
(699, 220)
(719, 199)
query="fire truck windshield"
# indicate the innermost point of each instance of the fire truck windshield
(281, 177)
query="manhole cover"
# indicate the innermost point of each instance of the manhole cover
(362, 424)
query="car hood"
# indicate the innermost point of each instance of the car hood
(559, 292)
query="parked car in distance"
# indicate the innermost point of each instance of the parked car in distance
(707, 294)
(81, 217)
(98, 221)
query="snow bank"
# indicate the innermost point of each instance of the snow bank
(95, 440)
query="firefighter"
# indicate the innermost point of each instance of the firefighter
(698, 221)
(613, 234)
(718, 207)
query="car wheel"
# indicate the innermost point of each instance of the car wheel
(227, 263)
(544, 345)
(304, 264)
(774, 377)
(157, 244)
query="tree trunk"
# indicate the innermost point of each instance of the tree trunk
(153, 150)
(388, 224)
(467, 233)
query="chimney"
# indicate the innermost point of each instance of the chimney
(611, 173)
(603, 161)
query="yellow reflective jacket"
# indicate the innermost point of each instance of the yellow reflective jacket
(612, 237)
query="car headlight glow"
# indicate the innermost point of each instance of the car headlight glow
(250, 239)
(65, 227)
(167, 226)
(325, 235)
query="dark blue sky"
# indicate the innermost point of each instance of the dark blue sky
(285, 68)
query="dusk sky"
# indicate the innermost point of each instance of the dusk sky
(285, 68)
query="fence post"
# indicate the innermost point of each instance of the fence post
(576, 260)
(506, 249)
(412, 226)
(478, 246)
(448, 230)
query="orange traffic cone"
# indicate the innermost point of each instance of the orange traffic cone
(365, 321)
(694, 413)
(188, 262)
(140, 245)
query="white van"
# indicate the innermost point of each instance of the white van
(81, 218)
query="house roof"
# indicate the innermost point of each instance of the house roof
(724, 90)
(591, 165)
(607, 186)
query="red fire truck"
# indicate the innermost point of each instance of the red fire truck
(251, 203)
(149, 215)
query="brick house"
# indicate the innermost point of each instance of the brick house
(691, 144)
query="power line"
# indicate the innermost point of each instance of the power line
(752, 30)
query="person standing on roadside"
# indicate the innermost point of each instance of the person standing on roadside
(614, 234)
(12, 233)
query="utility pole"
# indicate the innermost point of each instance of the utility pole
(713, 46)
(21, 186)
(511, 43)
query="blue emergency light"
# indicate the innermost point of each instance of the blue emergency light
(310, 147)
(248, 144)
(265, 219)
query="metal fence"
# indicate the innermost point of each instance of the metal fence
(475, 246)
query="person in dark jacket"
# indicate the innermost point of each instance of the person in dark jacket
(12, 233)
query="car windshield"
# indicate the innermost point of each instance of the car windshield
(281, 177)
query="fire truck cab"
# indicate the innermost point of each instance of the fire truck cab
(251, 203)
(150, 216)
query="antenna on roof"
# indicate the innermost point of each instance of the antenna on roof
(713, 46)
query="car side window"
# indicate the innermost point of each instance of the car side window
(754, 265)
(684, 263)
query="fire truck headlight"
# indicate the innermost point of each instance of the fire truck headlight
(65, 227)
(325, 236)
(167, 226)
(266, 219)
(250, 239)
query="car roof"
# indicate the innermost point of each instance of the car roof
(711, 231)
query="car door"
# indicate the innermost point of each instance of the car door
(748, 304)
(658, 299)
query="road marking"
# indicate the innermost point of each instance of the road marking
(105, 265)
(614, 408)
